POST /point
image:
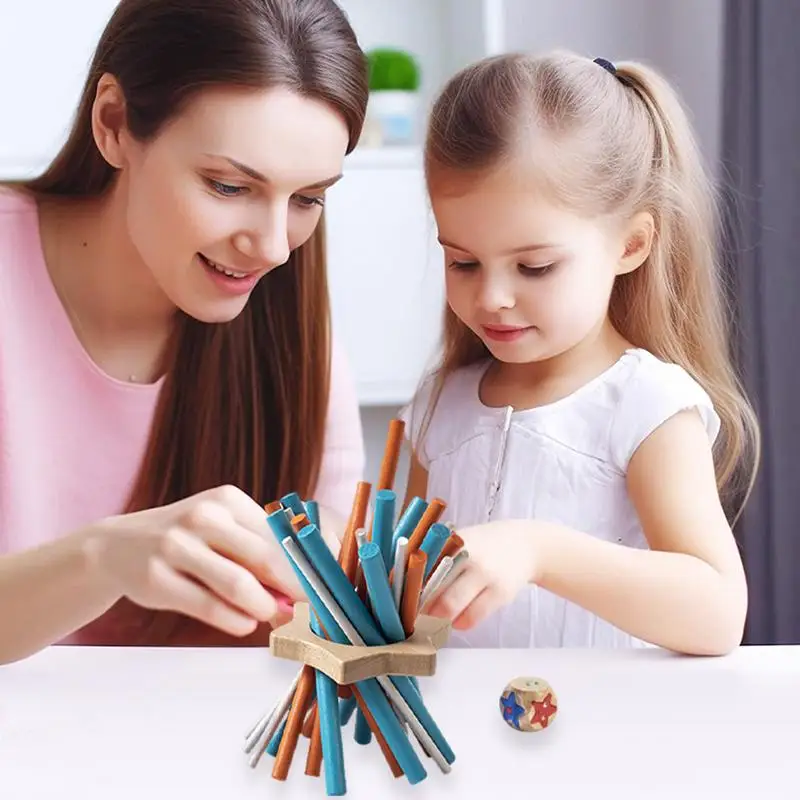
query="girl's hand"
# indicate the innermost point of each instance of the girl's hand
(502, 560)
(210, 557)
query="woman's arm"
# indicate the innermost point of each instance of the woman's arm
(688, 592)
(49, 592)
(209, 557)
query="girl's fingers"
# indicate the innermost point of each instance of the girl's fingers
(179, 593)
(459, 594)
(233, 584)
(485, 604)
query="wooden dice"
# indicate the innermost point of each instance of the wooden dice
(528, 704)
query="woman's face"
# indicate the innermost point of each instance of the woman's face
(227, 190)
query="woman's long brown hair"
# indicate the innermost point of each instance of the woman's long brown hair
(243, 402)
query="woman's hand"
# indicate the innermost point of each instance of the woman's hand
(210, 557)
(502, 560)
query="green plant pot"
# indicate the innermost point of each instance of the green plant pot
(394, 115)
(393, 111)
(392, 70)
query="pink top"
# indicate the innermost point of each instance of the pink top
(71, 437)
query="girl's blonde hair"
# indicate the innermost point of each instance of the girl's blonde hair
(607, 141)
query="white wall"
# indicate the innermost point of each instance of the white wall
(682, 38)
(688, 49)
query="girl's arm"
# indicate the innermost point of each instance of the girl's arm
(689, 592)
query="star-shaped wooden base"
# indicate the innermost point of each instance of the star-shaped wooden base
(347, 663)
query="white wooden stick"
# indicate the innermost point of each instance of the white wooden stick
(399, 575)
(435, 578)
(459, 562)
(262, 742)
(258, 729)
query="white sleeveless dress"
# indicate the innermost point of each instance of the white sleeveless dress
(564, 462)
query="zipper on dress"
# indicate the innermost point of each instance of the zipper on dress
(494, 487)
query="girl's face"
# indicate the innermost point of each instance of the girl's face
(530, 278)
(227, 190)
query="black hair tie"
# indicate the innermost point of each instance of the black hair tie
(607, 65)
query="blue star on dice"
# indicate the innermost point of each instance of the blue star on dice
(511, 709)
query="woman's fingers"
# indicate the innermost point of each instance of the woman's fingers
(180, 593)
(233, 525)
(244, 510)
(269, 564)
(232, 583)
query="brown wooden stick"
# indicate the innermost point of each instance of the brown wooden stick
(291, 733)
(385, 749)
(391, 454)
(409, 603)
(314, 757)
(299, 521)
(361, 585)
(348, 555)
(349, 559)
(432, 513)
(310, 720)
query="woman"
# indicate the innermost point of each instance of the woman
(165, 363)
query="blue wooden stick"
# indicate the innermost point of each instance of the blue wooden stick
(378, 704)
(409, 520)
(312, 512)
(331, 572)
(282, 528)
(432, 545)
(380, 592)
(293, 502)
(333, 576)
(382, 524)
(346, 708)
(330, 731)
(362, 734)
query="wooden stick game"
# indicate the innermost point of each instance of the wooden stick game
(361, 639)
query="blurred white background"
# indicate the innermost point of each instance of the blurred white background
(385, 267)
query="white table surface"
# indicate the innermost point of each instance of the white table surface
(134, 724)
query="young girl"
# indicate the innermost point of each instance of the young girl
(584, 424)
